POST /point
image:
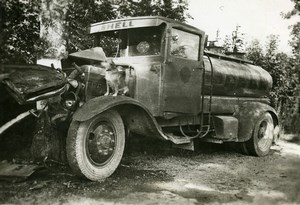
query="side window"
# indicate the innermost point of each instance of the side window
(184, 44)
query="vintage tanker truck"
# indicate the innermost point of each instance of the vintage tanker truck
(178, 92)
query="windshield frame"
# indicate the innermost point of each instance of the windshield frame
(125, 41)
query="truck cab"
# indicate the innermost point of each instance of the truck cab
(167, 58)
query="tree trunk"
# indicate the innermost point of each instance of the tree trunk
(52, 27)
(47, 141)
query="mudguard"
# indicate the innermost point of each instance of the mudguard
(135, 115)
(248, 114)
(99, 104)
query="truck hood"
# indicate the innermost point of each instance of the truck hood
(95, 53)
(28, 83)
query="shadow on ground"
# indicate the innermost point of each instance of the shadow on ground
(152, 172)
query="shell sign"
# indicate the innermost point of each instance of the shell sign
(124, 24)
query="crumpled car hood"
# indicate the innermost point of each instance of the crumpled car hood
(27, 82)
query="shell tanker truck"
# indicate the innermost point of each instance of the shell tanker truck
(177, 92)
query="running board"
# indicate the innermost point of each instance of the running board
(181, 142)
(178, 139)
(187, 146)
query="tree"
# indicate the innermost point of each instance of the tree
(295, 43)
(19, 33)
(166, 8)
(227, 45)
(254, 52)
(52, 28)
(235, 42)
(285, 71)
(47, 140)
(80, 15)
(281, 68)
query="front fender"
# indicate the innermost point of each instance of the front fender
(99, 104)
(135, 115)
(248, 114)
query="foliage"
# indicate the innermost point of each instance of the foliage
(295, 11)
(285, 70)
(80, 15)
(227, 45)
(166, 8)
(235, 42)
(285, 78)
(20, 37)
(19, 31)
(254, 52)
(295, 43)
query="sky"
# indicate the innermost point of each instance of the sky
(257, 18)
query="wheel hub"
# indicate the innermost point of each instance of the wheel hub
(262, 130)
(104, 141)
(264, 135)
(101, 144)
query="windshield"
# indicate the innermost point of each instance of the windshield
(132, 42)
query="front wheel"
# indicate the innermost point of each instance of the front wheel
(262, 137)
(95, 147)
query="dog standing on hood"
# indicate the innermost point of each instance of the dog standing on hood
(115, 79)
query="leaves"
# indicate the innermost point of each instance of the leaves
(81, 14)
(254, 52)
(235, 42)
(282, 68)
(166, 8)
(295, 11)
(20, 37)
(20, 23)
(293, 121)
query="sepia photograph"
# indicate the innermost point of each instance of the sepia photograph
(149, 102)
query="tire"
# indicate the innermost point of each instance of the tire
(262, 137)
(95, 147)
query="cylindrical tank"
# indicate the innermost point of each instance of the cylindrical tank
(236, 78)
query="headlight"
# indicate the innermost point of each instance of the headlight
(41, 104)
(70, 101)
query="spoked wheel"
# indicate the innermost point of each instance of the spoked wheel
(262, 137)
(95, 147)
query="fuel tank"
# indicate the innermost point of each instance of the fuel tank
(235, 77)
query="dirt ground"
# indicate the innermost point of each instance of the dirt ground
(155, 173)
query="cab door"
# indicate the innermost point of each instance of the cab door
(182, 74)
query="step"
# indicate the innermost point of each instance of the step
(178, 139)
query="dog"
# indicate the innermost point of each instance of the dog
(115, 79)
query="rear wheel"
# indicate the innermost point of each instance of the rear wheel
(262, 137)
(95, 147)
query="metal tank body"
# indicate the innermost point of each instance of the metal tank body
(236, 78)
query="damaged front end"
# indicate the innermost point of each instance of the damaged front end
(27, 84)
(58, 91)
(30, 83)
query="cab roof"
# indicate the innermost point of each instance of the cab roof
(137, 22)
